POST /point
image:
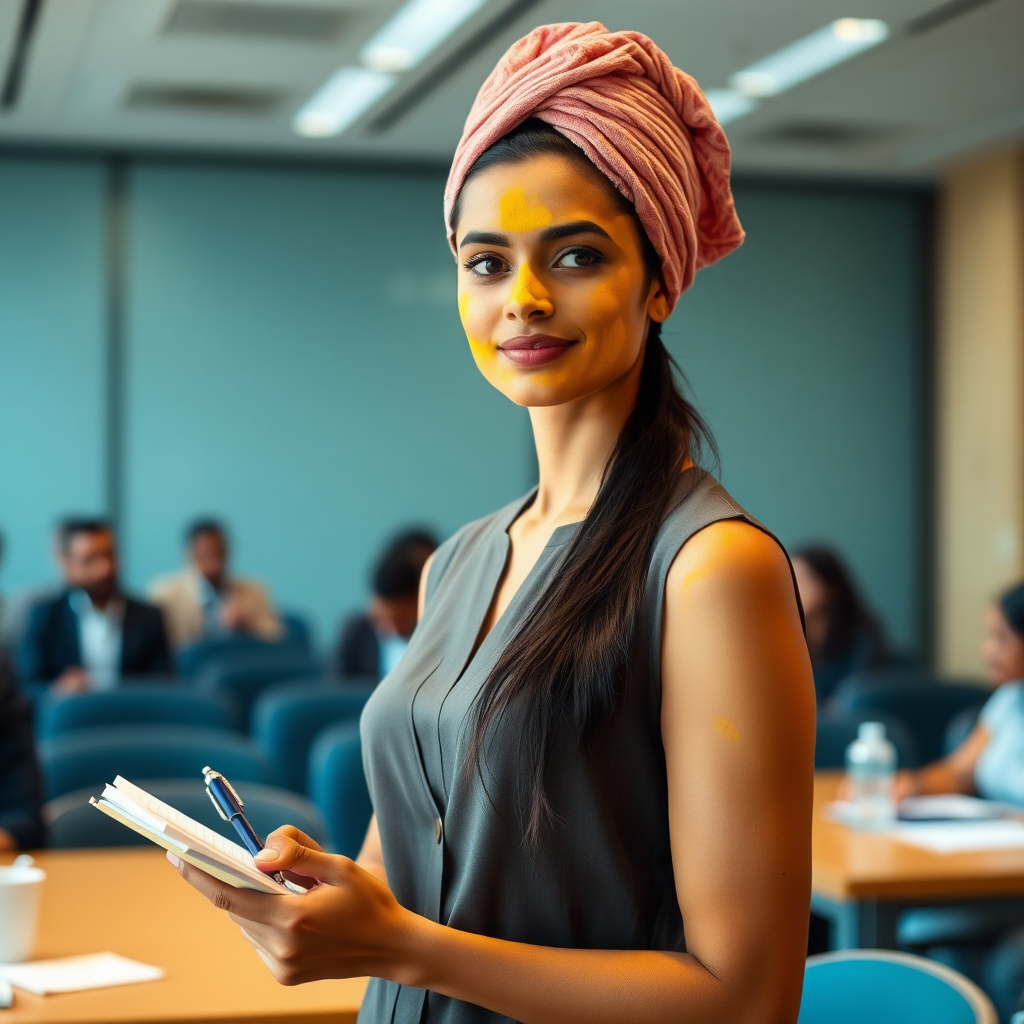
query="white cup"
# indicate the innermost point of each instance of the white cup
(21, 886)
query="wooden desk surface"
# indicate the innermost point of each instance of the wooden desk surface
(132, 902)
(848, 865)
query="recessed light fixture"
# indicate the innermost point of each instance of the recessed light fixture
(810, 56)
(728, 104)
(340, 101)
(418, 27)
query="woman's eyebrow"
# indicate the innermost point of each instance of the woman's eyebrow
(485, 238)
(576, 227)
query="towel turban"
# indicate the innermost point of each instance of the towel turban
(642, 122)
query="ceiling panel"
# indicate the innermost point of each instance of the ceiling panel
(228, 76)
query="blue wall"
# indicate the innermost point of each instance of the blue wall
(294, 363)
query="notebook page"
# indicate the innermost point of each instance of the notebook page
(185, 824)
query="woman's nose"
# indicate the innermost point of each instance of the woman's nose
(529, 299)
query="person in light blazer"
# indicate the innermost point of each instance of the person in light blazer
(204, 601)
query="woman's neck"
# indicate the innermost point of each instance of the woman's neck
(574, 443)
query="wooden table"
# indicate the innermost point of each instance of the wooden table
(132, 902)
(862, 882)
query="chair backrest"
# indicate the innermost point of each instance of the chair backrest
(835, 732)
(59, 713)
(875, 985)
(287, 718)
(923, 702)
(191, 660)
(337, 786)
(71, 822)
(92, 757)
(297, 630)
(240, 677)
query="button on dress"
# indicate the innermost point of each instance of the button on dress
(452, 841)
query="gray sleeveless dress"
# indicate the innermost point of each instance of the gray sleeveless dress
(602, 878)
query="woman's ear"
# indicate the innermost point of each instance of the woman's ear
(657, 302)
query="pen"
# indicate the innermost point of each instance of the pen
(230, 807)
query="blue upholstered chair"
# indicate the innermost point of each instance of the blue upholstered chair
(835, 732)
(287, 719)
(924, 703)
(59, 713)
(239, 678)
(193, 659)
(875, 986)
(92, 757)
(71, 822)
(297, 631)
(337, 786)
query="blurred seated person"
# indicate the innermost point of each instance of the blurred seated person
(204, 601)
(373, 642)
(91, 634)
(842, 634)
(21, 784)
(990, 762)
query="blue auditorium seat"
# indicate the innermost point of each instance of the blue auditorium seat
(875, 986)
(337, 786)
(58, 713)
(71, 822)
(297, 631)
(92, 757)
(287, 719)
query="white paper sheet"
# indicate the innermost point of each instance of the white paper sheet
(77, 973)
(960, 836)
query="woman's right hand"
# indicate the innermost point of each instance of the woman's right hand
(907, 784)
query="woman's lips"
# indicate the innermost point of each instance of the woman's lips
(534, 349)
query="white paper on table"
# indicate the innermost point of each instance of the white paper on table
(76, 973)
(960, 836)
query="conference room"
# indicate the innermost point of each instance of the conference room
(511, 510)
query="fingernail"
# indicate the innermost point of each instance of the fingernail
(176, 861)
(266, 855)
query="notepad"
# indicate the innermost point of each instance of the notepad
(77, 973)
(961, 836)
(185, 838)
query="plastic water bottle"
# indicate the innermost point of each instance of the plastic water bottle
(871, 764)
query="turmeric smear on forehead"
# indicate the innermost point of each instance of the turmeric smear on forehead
(518, 215)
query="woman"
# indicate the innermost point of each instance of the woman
(990, 762)
(842, 634)
(592, 770)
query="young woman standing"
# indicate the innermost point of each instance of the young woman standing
(592, 769)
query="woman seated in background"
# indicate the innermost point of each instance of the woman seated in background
(843, 636)
(990, 762)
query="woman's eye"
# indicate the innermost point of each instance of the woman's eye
(486, 266)
(578, 259)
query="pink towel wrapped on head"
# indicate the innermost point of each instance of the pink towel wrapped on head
(642, 122)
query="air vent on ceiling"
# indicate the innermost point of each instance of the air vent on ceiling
(940, 15)
(201, 99)
(825, 133)
(267, 20)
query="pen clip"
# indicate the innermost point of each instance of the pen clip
(208, 775)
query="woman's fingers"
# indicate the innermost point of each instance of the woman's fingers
(300, 837)
(283, 853)
(245, 903)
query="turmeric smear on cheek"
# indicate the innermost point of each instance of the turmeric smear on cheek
(518, 215)
(728, 729)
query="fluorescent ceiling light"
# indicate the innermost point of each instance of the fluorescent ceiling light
(728, 104)
(419, 27)
(810, 56)
(340, 101)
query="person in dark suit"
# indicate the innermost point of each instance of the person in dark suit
(372, 642)
(91, 634)
(21, 784)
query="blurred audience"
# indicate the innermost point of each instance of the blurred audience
(373, 642)
(21, 784)
(990, 762)
(204, 601)
(91, 634)
(843, 636)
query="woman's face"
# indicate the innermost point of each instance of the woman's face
(553, 291)
(1002, 650)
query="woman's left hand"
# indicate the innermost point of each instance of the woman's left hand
(348, 926)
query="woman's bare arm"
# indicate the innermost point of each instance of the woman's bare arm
(953, 774)
(738, 731)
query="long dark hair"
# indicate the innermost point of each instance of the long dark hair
(567, 663)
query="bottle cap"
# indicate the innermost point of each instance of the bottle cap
(871, 731)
